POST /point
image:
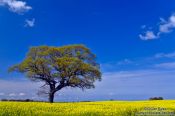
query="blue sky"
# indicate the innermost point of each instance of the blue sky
(133, 40)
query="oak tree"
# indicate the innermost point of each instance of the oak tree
(59, 67)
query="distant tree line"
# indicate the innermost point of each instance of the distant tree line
(156, 98)
(21, 100)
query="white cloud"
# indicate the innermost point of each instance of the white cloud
(22, 94)
(133, 82)
(18, 89)
(163, 27)
(149, 35)
(121, 85)
(112, 66)
(124, 62)
(167, 26)
(1, 94)
(143, 26)
(165, 55)
(166, 65)
(15, 94)
(12, 95)
(29, 23)
(16, 5)
(146, 62)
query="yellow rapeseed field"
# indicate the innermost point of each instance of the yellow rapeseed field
(103, 108)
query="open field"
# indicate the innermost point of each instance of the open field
(111, 108)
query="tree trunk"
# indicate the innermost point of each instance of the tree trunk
(51, 97)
